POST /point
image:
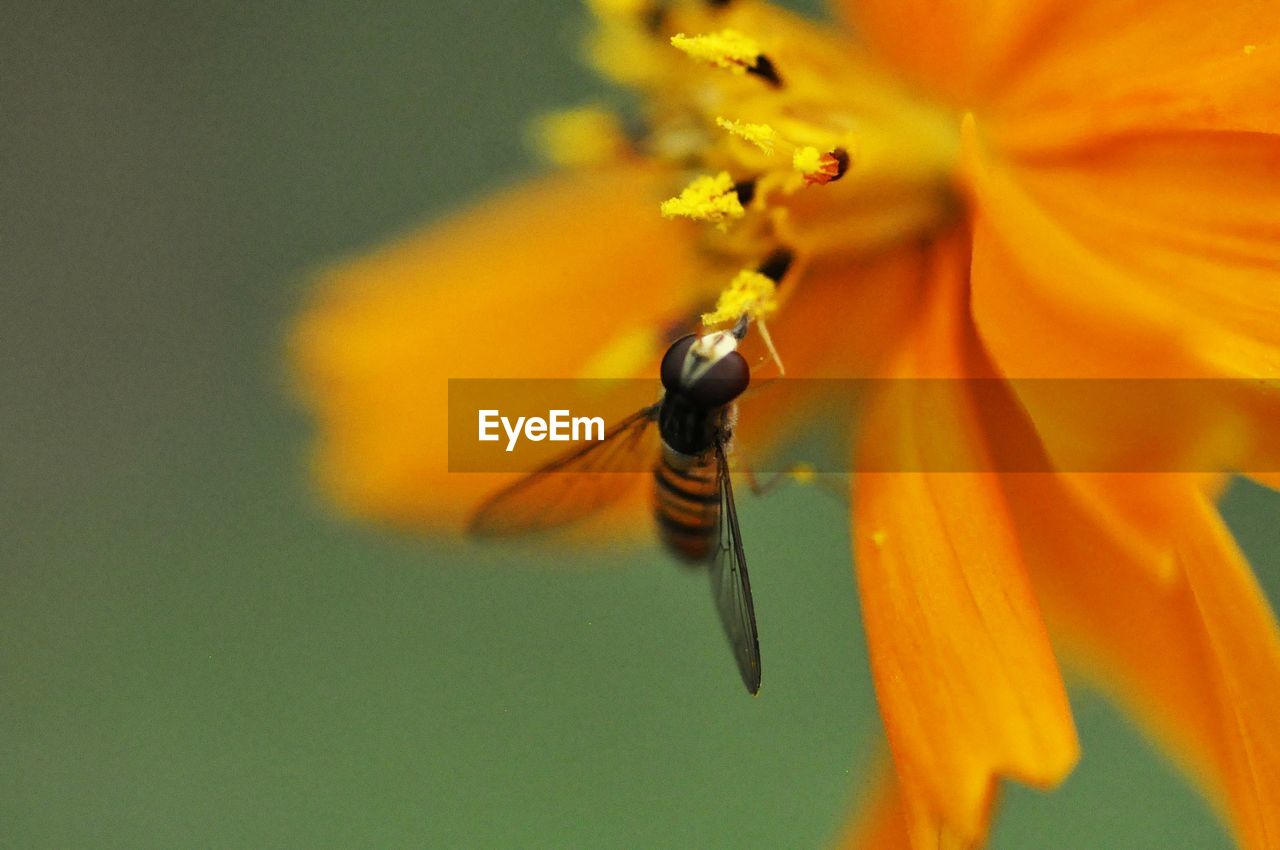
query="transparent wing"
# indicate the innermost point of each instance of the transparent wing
(574, 485)
(730, 585)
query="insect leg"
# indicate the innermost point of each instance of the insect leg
(837, 485)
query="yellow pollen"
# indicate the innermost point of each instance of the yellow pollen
(878, 538)
(581, 137)
(727, 49)
(803, 473)
(761, 135)
(749, 294)
(706, 199)
(807, 161)
(1250, 49)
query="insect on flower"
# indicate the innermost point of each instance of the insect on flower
(1002, 193)
(702, 377)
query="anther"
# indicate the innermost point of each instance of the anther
(841, 156)
(765, 70)
(776, 265)
(821, 168)
(761, 135)
(707, 198)
(750, 293)
(655, 18)
(731, 50)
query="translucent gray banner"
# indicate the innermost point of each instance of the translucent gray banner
(875, 425)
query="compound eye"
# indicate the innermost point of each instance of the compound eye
(673, 363)
(723, 382)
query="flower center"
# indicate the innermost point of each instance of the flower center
(790, 140)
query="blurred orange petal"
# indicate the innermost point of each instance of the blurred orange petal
(880, 822)
(534, 283)
(949, 48)
(1242, 641)
(1109, 610)
(1147, 67)
(1206, 270)
(967, 682)
(1196, 658)
(1054, 73)
(1269, 479)
(1111, 265)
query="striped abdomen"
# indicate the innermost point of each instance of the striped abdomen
(687, 507)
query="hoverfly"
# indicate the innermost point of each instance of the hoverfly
(697, 520)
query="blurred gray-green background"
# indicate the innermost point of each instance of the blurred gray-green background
(194, 652)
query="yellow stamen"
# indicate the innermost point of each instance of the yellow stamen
(761, 135)
(580, 137)
(818, 167)
(727, 49)
(749, 294)
(706, 199)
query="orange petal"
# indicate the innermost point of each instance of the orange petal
(1196, 658)
(953, 49)
(1165, 249)
(1153, 258)
(1055, 73)
(1132, 510)
(881, 822)
(1188, 221)
(1268, 479)
(1239, 631)
(1091, 70)
(539, 282)
(846, 315)
(968, 686)
(841, 321)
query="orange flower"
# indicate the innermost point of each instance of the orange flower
(1023, 190)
